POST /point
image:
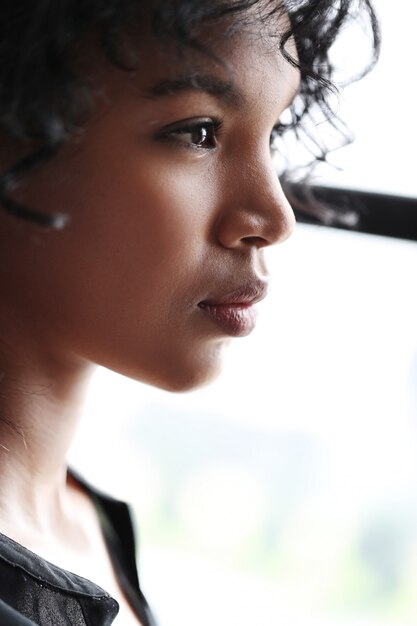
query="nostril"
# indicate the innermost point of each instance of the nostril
(257, 242)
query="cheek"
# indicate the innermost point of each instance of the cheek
(131, 253)
(119, 286)
(140, 226)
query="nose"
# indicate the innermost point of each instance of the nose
(256, 211)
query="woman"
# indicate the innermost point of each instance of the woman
(139, 192)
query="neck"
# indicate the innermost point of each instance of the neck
(41, 400)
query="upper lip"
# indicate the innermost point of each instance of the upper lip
(246, 295)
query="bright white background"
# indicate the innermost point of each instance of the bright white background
(286, 492)
(381, 108)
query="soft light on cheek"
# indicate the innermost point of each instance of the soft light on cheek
(177, 211)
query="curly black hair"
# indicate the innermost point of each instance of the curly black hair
(43, 101)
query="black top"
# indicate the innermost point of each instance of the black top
(34, 592)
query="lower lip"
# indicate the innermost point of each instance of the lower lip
(235, 320)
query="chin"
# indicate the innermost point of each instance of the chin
(182, 374)
(174, 369)
(190, 381)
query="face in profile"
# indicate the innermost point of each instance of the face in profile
(172, 197)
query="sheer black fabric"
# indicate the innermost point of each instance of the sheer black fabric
(34, 592)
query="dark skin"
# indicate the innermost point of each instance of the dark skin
(165, 211)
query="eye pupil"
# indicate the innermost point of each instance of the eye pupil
(200, 136)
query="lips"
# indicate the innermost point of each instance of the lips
(234, 311)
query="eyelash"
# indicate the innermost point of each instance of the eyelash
(209, 129)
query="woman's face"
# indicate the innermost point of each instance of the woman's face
(172, 196)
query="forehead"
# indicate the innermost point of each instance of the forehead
(230, 57)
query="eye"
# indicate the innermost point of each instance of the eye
(199, 135)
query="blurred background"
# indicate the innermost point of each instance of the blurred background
(286, 492)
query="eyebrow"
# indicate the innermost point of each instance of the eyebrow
(224, 90)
